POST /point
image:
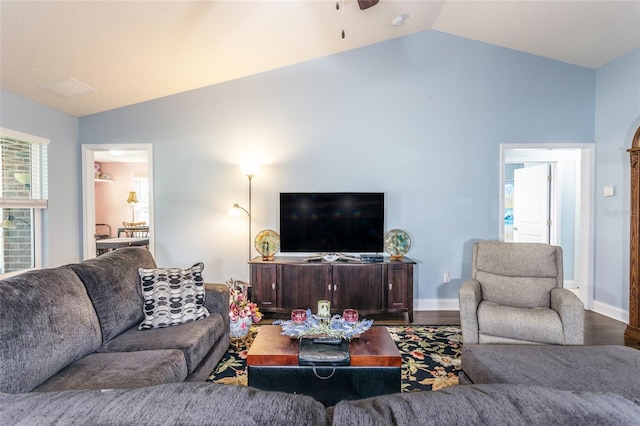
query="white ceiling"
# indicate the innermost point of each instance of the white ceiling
(133, 51)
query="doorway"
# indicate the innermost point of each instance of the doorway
(136, 153)
(568, 216)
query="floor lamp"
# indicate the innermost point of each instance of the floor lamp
(132, 200)
(250, 171)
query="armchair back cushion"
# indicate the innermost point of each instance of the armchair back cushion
(520, 275)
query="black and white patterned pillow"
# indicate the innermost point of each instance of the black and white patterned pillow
(172, 296)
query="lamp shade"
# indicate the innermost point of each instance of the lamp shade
(9, 223)
(133, 197)
(250, 169)
(235, 210)
(23, 178)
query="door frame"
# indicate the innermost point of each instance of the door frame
(585, 204)
(89, 193)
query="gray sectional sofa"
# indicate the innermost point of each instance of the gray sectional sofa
(76, 327)
(210, 404)
(71, 353)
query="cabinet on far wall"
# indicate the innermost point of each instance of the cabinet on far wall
(633, 327)
(288, 283)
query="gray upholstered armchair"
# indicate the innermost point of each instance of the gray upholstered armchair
(515, 295)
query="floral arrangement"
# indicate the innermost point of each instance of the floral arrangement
(241, 307)
(314, 326)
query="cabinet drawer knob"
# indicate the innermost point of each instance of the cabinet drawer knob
(390, 286)
(335, 287)
(273, 286)
(329, 287)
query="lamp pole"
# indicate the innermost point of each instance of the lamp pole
(250, 176)
(250, 171)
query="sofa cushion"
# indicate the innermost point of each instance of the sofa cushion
(46, 322)
(194, 339)
(490, 405)
(113, 284)
(120, 370)
(170, 404)
(540, 325)
(172, 296)
(606, 368)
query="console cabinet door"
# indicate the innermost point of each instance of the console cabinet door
(397, 286)
(357, 286)
(303, 285)
(263, 286)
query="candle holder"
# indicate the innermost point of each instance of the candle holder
(298, 316)
(350, 315)
(324, 309)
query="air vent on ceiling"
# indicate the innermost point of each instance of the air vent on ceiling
(68, 88)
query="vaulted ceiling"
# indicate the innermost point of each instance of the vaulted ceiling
(132, 51)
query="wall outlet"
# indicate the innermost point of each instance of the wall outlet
(447, 277)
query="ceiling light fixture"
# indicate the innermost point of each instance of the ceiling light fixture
(399, 20)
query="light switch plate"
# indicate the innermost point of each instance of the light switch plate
(609, 191)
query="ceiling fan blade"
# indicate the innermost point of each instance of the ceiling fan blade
(365, 4)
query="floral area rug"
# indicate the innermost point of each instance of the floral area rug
(430, 357)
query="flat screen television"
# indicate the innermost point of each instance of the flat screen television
(331, 222)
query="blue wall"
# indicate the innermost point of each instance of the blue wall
(419, 118)
(617, 119)
(63, 219)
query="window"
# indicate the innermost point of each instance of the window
(141, 208)
(23, 197)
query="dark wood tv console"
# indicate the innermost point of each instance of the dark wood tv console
(288, 283)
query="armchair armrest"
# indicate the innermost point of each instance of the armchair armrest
(571, 312)
(469, 297)
(217, 300)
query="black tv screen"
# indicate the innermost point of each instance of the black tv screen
(332, 222)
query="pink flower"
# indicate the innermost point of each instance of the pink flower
(241, 307)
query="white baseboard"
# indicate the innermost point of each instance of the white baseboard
(436, 305)
(611, 311)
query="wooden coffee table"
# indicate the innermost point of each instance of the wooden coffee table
(272, 364)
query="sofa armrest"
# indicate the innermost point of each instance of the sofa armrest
(217, 300)
(469, 297)
(571, 312)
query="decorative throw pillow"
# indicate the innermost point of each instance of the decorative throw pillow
(172, 296)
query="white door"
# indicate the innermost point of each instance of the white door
(531, 199)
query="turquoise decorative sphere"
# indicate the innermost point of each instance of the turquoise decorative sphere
(397, 242)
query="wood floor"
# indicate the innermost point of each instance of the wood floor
(598, 329)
